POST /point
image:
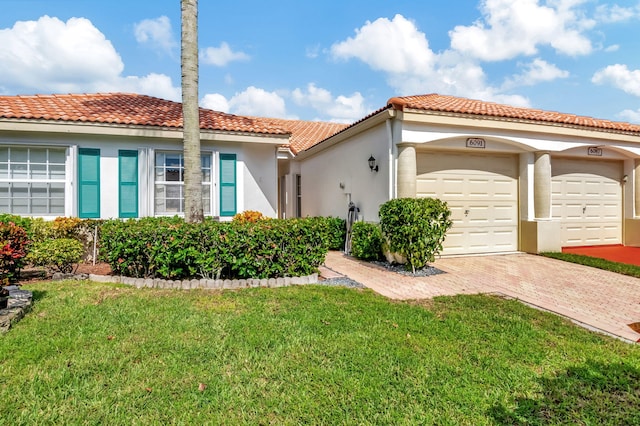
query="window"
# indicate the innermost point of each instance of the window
(169, 183)
(32, 181)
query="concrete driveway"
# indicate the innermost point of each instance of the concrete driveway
(602, 301)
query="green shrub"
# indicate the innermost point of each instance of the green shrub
(14, 244)
(170, 248)
(336, 233)
(366, 241)
(415, 228)
(332, 230)
(60, 227)
(59, 254)
(22, 222)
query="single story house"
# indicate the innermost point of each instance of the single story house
(515, 179)
(120, 155)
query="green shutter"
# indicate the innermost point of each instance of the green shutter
(227, 184)
(88, 183)
(128, 183)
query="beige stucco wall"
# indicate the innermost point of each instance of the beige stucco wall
(341, 173)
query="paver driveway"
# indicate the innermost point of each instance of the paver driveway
(601, 300)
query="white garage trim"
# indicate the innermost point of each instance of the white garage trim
(482, 194)
(586, 198)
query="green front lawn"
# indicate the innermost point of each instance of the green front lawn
(93, 353)
(596, 262)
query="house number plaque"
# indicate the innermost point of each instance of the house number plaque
(594, 151)
(476, 143)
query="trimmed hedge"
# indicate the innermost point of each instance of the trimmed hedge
(366, 241)
(60, 254)
(170, 248)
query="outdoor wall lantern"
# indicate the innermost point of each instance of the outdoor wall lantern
(372, 164)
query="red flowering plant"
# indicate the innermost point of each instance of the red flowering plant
(14, 243)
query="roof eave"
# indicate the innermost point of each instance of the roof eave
(517, 124)
(373, 120)
(134, 130)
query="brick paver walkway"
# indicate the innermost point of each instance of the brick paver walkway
(601, 300)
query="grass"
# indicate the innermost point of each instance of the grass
(92, 353)
(596, 262)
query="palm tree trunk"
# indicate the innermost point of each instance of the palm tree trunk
(191, 118)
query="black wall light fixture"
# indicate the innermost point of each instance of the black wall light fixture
(372, 164)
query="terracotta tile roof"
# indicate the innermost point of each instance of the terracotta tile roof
(125, 109)
(305, 134)
(452, 104)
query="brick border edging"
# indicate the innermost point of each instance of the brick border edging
(205, 283)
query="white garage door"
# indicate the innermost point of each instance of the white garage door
(482, 193)
(587, 201)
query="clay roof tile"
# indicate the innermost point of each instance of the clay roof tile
(452, 104)
(125, 108)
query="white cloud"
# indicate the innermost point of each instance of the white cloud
(513, 28)
(221, 56)
(343, 109)
(253, 101)
(613, 13)
(258, 102)
(49, 54)
(313, 52)
(158, 85)
(631, 115)
(401, 51)
(612, 48)
(215, 101)
(156, 33)
(394, 46)
(620, 77)
(52, 56)
(535, 72)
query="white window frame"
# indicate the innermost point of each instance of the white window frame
(48, 178)
(208, 208)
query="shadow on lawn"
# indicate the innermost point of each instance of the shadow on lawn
(38, 294)
(592, 393)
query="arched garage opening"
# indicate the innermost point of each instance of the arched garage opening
(481, 189)
(587, 200)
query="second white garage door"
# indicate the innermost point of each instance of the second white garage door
(587, 201)
(482, 193)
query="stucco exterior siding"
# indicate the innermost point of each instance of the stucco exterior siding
(339, 174)
(256, 172)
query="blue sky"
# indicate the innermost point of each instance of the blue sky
(333, 60)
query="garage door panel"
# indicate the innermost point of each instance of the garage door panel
(587, 201)
(483, 202)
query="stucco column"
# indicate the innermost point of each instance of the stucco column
(542, 185)
(406, 171)
(636, 188)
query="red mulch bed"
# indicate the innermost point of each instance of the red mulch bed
(30, 275)
(614, 253)
(97, 269)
